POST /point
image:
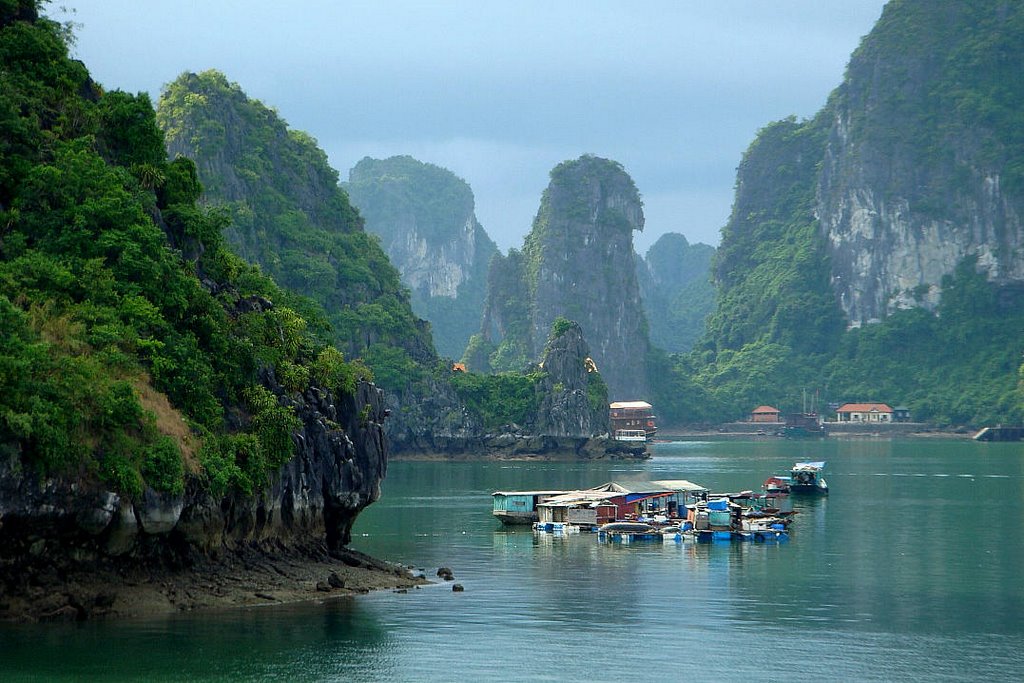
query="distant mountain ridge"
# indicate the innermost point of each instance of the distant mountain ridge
(288, 213)
(424, 215)
(675, 285)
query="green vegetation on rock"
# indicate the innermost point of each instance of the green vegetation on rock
(131, 340)
(288, 214)
(577, 262)
(675, 283)
(922, 138)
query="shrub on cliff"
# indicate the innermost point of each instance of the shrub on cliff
(103, 316)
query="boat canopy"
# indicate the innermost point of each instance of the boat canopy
(626, 405)
(819, 465)
(667, 486)
(576, 499)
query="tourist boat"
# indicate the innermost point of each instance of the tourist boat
(632, 415)
(631, 435)
(805, 477)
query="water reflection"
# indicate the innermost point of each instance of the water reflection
(907, 570)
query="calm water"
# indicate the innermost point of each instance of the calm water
(909, 570)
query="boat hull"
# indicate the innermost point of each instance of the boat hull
(515, 518)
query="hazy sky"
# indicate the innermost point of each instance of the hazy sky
(501, 92)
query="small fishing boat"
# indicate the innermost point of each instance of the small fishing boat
(776, 485)
(627, 532)
(805, 477)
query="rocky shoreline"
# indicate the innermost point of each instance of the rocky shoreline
(510, 446)
(242, 578)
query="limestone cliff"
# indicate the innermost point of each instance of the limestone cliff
(922, 165)
(163, 403)
(578, 263)
(675, 285)
(288, 213)
(424, 216)
(57, 531)
(911, 168)
(574, 396)
(558, 410)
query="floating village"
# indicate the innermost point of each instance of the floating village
(672, 511)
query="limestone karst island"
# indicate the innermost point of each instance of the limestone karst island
(233, 376)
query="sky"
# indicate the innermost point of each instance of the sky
(501, 92)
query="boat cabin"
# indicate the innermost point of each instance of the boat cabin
(652, 499)
(806, 477)
(632, 435)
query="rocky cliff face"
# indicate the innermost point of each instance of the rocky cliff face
(63, 525)
(424, 216)
(578, 263)
(675, 286)
(288, 213)
(574, 399)
(922, 165)
(912, 166)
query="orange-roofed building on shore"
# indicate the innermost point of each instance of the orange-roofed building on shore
(864, 412)
(764, 414)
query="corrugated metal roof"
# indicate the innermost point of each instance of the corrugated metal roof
(576, 498)
(631, 404)
(680, 485)
(527, 493)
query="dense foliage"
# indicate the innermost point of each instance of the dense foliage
(959, 104)
(675, 283)
(777, 331)
(502, 399)
(288, 214)
(931, 110)
(116, 363)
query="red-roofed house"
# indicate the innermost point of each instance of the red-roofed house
(864, 412)
(764, 414)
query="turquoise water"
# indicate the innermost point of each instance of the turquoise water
(909, 570)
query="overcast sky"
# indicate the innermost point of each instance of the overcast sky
(501, 92)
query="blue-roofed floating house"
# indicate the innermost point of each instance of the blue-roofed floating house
(519, 507)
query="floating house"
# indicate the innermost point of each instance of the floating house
(632, 416)
(519, 507)
(614, 501)
(579, 509)
(652, 499)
